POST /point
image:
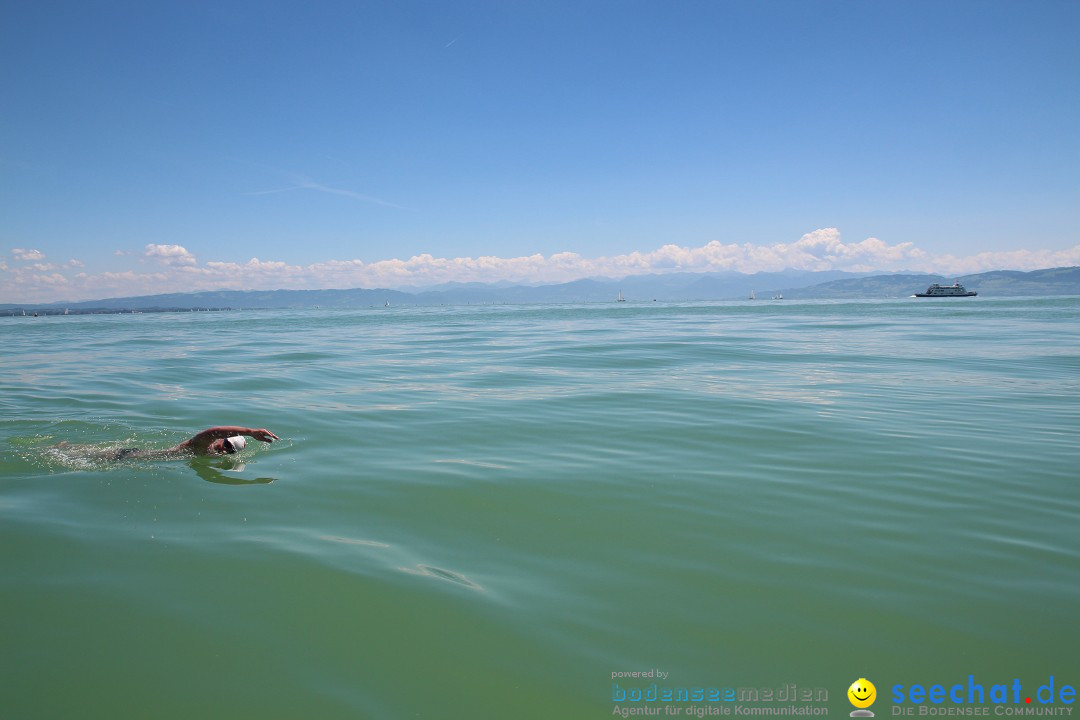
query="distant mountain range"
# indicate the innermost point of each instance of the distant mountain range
(672, 287)
(998, 283)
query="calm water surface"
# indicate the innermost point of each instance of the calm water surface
(484, 512)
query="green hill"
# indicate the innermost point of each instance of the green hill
(998, 283)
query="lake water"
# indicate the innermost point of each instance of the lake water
(485, 512)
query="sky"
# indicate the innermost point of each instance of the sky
(150, 147)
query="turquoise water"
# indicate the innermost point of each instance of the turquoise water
(484, 512)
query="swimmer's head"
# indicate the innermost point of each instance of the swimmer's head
(234, 444)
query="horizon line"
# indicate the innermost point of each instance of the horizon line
(420, 290)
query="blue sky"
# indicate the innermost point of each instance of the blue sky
(156, 146)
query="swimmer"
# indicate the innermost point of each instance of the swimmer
(221, 440)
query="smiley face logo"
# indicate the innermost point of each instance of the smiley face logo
(862, 693)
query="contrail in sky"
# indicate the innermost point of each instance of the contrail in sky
(304, 183)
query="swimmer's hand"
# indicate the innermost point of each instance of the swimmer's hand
(263, 434)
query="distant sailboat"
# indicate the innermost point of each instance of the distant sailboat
(778, 296)
(386, 304)
(620, 298)
(753, 295)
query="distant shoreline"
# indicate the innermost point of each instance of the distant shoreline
(32, 311)
(673, 287)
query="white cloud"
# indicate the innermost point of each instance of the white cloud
(819, 250)
(24, 254)
(170, 254)
(1008, 260)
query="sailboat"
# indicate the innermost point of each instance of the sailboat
(620, 298)
(753, 295)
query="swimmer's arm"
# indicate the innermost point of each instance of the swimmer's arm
(200, 442)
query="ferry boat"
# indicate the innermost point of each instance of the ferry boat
(954, 290)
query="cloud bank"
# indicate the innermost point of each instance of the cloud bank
(24, 254)
(179, 270)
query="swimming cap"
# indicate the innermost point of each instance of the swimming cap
(235, 444)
